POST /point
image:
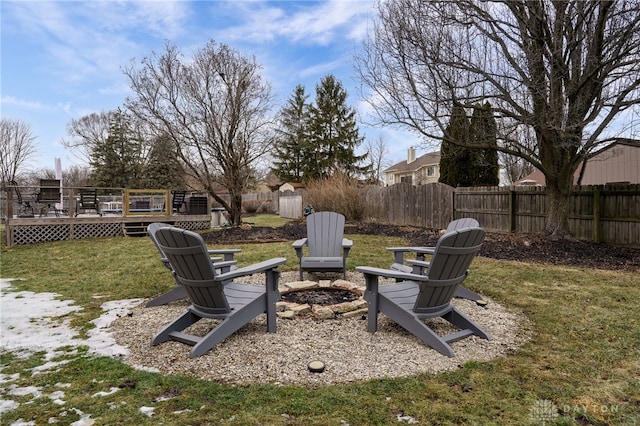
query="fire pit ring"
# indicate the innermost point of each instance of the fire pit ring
(298, 307)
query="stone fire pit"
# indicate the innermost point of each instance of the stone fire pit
(292, 310)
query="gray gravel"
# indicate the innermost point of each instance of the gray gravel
(351, 354)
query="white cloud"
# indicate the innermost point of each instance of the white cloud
(308, 23)
(20, 103)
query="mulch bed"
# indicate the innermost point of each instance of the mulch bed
(522, 247)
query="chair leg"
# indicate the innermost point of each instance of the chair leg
(458, 319)
(465, 293)
(228, 326)
(177, 293)
(418, 328)
(185, 320)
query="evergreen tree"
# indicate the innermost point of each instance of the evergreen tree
(293, 138)
(483, 131)
(334, 134)
(456, 162)
(116, 162)
(163, 170)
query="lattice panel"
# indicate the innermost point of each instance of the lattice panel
(89, 230)
(194, 226)
(28, 234)
(38, 234)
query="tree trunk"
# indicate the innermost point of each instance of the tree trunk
(557, 224)
(235, 211)
(559, 185)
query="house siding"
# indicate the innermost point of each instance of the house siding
(620, 163)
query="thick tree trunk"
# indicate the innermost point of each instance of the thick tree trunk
(235, 211)
(559, 185)
(558, 205)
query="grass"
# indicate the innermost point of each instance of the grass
(583, 357)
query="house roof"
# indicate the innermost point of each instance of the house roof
(428, 159)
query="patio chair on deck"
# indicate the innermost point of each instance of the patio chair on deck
(417, 297)
(327, 250)
(48, 196)
(25, 209)
(179, 292)
(418, 265)
(178, 200)
(88, 201)
(214, 295)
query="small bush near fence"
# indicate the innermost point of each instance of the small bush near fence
(339, 194)
(257, 206)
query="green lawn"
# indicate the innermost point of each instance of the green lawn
(583, 358)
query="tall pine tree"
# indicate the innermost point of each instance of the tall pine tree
(456, 162)
(483, 131)
(293, 138)
(334, 134)
(163, 169)
(117, 162)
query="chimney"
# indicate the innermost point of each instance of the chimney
(411, 156)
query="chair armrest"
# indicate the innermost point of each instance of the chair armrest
(390, 273)
(418, 266)
(224, 266)
(420, 263)
(297, 244)
(227, 253)
(398, 253)
(424, 250)
(346, 246)
(252, 269)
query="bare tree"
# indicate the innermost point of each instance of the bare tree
(565, 69)
(214, 106)
(376, 152)
(17, 148)
(88, 132)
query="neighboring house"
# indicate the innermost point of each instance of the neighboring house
(291, 186)
(616, 163)
(416, 171)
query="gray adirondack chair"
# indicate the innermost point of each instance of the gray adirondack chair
(422, 296)
(327, 249)
(179, 292)
(418, 265)
(213, 295)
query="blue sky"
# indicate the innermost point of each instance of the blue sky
(62, 59)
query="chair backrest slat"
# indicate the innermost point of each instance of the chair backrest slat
(453, 254)
(464, 222)
(192, 266)
(325, 231)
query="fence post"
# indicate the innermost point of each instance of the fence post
(596, 214)
(512, 210)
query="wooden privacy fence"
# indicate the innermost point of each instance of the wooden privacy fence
(602, 213)
(428, 206)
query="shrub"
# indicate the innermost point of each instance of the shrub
(257, 206)
(338, 193)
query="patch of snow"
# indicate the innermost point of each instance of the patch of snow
(102, 393)
(147, 411)
(7, 405)
(34, 322)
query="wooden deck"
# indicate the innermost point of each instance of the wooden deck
(28, 230)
